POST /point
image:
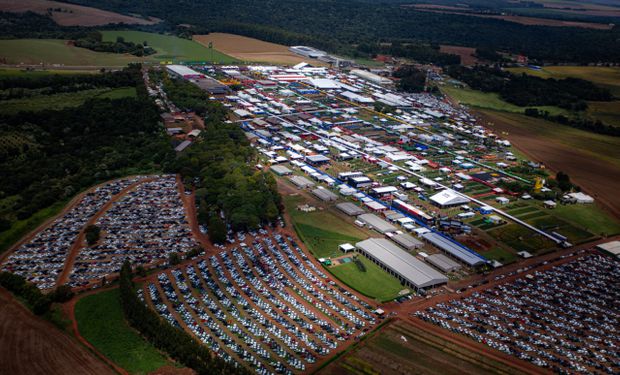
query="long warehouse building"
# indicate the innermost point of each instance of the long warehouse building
(407, 268)
(453, 249)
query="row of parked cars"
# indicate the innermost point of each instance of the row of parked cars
(42, 258)
(566, 318)
(263, 303)
(145, 226)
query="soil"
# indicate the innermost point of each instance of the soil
(31, 345)
(466, 53)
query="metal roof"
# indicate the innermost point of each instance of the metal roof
(377, 223)
(407, 241)
(324, 194)
(401, 262)
(453, 249)
(350, 209)
(443, 262)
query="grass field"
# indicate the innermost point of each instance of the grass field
(63, 100)
(488, 100)
(608, 77)
(374, 283)
(401, 348)
(589, 217)
(101, 322)
(171, 48)
(501, 255)
(521, 238)
(55, 51)
(16, 72)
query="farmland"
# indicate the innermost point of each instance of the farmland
(100, 321)
(71, 14)
(249, 49)
(401, 348)
(56, 52)
(170, 48)
(608, 77)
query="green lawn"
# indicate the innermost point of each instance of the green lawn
(323, 243)
(101, 322)
(55, 51)
(488, 100)
(520, 238)
(62, 100)
(374, 283)
(170, 48)
(553, 224)
(590, 217)
(501, 255)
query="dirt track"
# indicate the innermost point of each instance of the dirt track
(31, 345)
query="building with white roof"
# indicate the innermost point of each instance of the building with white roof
(448, 198)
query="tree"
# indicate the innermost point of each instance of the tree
(217, 229)
(92, 234)
(62, 293)
(174, 259)
(563, 181)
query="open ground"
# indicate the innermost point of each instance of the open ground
(466, 53)
(71, 14)
(249, 49)
(31, 345)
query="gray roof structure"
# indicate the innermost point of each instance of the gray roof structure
(301, 182)
(350, 209)
(442, 262)
(324, 194)
(377, 223)
(400, 262)
(407, 241)
(182, 146)
(280, 170)
(453, 249)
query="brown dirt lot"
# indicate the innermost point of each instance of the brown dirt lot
(31, 345)
(466, 53)
(250, 49)
(75, 15)
(591, 160)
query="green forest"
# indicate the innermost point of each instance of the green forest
(343, 25)
(48, 156)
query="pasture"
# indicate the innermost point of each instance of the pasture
(608, 77)
(171, 48)
(101, 322)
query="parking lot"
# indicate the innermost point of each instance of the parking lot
(262, 303)
(565, 318)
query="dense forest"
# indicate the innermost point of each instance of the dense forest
(526, 90)
(177, 343)
(50, 155)
(341, 25)
(411, 79)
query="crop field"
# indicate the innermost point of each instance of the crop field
(63, 100)
(31, 345)
(72, 15)
(591, 160)
(55, 51)
(101, 322)
(466, 53)
(608, 77)
(250, 49)
(171, 48)
(264, 304)
(401, 348)
(16, 72)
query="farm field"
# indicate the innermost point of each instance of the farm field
(466, 53)
(73, 15)
(57, 52)
(484, 100)
(249, 49)
(401, 348)
(31, 345)
(374, 282)
(16, 72)
(171, 48)
(63, 100)
(591, 160)
(608, 77)
(101, 322)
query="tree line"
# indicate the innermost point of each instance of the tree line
(594, 126)
(94, 41)
(526, 90)
(177, 343)
(38, 302)
(50, 155)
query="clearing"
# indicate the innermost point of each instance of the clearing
(171, 48)
(249, 49)
(591, 160)
(31, 345)
(466, 53)
(400, 348)
(72, 15)
(101, 322)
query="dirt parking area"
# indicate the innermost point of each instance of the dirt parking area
(31, 345)
(250, 49)
(70, 14)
